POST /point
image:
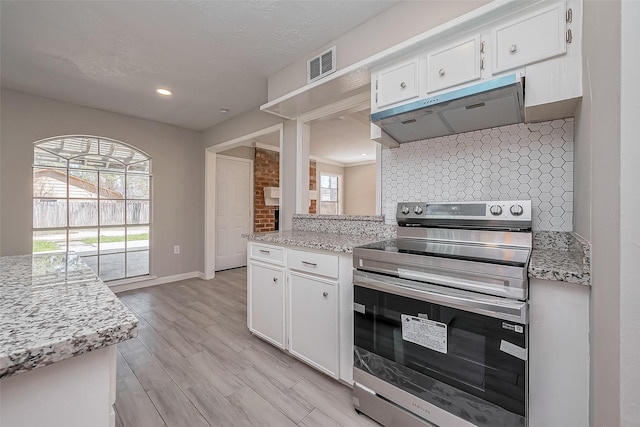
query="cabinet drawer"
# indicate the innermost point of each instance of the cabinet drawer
(456, 64)
(529, 39)
(397, 83)
(266, 253)
(311, 262)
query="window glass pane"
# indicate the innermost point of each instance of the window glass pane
(49, 213)
(44, 158)
(83, 213)
(83, 241)
(140, 167)
(328, 208)
(96, 163)
(111, 240)
(111, 266)
(115, 150)
(325, 194)
(334, 195)
(137, 238)
(111, 212)
(138, 212)
(49, 182)
(92, 262)
(49, 241)
(111, 185)
(324, 181)
(137, 187)
(83, 184)
(72, 146)
(137, 263)
(334, 182)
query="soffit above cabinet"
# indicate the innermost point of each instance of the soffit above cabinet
(355, 79)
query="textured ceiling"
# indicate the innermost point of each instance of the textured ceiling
(213, 54)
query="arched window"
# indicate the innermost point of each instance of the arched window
(92, 196)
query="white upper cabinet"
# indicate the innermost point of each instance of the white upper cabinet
(398, 83)
(454, 64)
(530, 38)
(540, 40)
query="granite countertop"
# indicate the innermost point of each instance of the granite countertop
(53, 308)
(560, 256)
(335, 242)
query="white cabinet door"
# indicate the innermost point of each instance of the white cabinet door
(454, 64)
(529, 39)
(313, 322)
(397, 83)
(266, 302)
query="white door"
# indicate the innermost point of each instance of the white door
(234, 203)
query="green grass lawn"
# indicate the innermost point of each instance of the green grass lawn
(44, 245)
(114, 239)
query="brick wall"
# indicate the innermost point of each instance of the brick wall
(312, 185)
(266, 173)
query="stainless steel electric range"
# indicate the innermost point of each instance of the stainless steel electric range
(441, 317)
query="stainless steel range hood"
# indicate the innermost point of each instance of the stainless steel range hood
(492, 103)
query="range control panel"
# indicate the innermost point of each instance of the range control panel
(498, 210)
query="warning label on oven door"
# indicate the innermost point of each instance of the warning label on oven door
(427, 333)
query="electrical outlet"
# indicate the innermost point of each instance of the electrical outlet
(176, 249)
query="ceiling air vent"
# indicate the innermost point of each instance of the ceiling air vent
(321, 65)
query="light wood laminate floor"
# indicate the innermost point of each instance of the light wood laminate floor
(195, 363)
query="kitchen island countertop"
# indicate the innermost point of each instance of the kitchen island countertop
(53, 308)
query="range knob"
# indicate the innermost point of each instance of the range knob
(516, 210)
(495, 210)
(418, 210)
(405, 209)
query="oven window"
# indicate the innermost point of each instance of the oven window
(466, 351)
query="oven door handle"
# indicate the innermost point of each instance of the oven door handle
(500, 308)
(457, 282)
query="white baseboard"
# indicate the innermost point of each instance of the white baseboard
(154, 281)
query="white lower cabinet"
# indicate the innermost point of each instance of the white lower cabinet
(315, 304)
(266, 298)
(313, 321)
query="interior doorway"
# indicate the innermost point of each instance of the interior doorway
(219, 244)
(345, 163)
(234, 210)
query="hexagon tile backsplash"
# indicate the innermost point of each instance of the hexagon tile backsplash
(523, 161)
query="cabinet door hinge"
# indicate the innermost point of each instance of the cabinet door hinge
(569, 36)
(482, 47)
(482, 64)
(569, 15)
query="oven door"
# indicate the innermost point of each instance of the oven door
(459, 353)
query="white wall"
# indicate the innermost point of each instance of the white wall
(243, 152)
(360, 190)
(597, 200)
(395, 25)
(629, 225)
(177, 164)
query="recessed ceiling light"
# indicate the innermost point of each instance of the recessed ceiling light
(165, 92)
(224, 110)
(363, 154)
